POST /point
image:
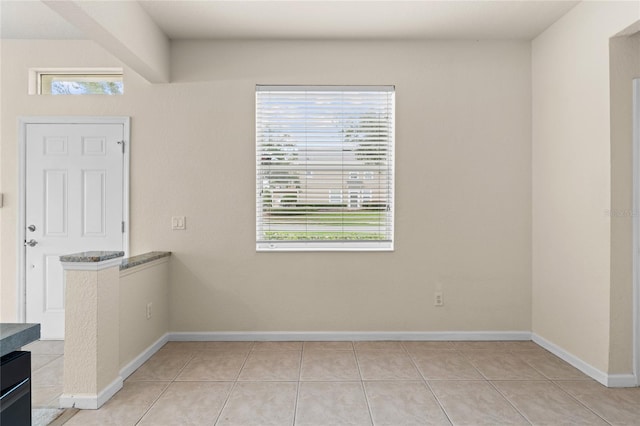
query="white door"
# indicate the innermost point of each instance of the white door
(74, 203)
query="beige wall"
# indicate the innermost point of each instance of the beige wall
(91, 343)
(573, 299)
(463, 201)
(139, 286)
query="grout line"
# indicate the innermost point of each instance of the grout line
(444, 411)
(235, 383)
(580, 402)
(366, 400)
(428, 386)
(355, 355)
(364, 391)
(295, 405)
(46, 364)
(226, 400)
(191, 356)
(487, 380)
(509, 401)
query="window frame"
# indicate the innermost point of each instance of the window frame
(338, 245)
(36, 75)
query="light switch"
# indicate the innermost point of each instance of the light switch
(178, 223)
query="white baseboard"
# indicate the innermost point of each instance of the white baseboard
(347, 335)
(608, 380)
(622, 381)
(128, 369)
(90, 401)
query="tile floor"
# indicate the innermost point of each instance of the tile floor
(46, 372)
(354, 383)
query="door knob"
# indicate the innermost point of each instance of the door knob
(31, 228)
(31, 243)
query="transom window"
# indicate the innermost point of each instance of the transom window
(76, 81)
(324, 167)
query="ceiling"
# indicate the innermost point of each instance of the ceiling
(309, 19)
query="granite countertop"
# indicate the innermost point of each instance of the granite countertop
(91, 256)
(100, 256)
(130, 262)
(13, 336)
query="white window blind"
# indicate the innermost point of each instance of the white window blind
(324, 167)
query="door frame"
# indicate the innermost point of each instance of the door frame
(636, 229)
(22, 180)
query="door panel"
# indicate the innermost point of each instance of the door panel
(74, 203)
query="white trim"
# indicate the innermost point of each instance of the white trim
(91, 266)
(90, 401)
(21, 290)
(636, 229)
(284, 246)
(35, 74)
(347, 336)
(132, 366)
(586, 368)
(324, 88)
(22, 134)
(609, 380)
(93, 402)
(621, 381)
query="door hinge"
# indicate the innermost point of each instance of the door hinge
(123, 227)
(121, 143)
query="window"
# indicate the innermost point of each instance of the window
(76, 81)
(338, 135)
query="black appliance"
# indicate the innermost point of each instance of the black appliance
(15, 389)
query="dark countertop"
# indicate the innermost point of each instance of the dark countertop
(13, 336)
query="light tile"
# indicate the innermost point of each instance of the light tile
(45, 347)
(445, 365)
(260, 404)
(384, 365)
(49, 375)
(522, 346)
(417, 346)
(502, 366)
(332, 403)
(181, 347)
(475, 403)
(620, 406)
(220, 354)
(494, 346)
(328, 346)
(403, 403)
(39, 361)
(46, 396)
(226, 346)
(213, 366)
(553, 367)
(162, 366)
(277, 346)
(325, 365)
(207, 346)
(126, 408)
(188, 403)
(271, 365)
(545, 403)
(377, 345)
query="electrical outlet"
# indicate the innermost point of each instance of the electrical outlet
(438, 298)
(149, 305)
